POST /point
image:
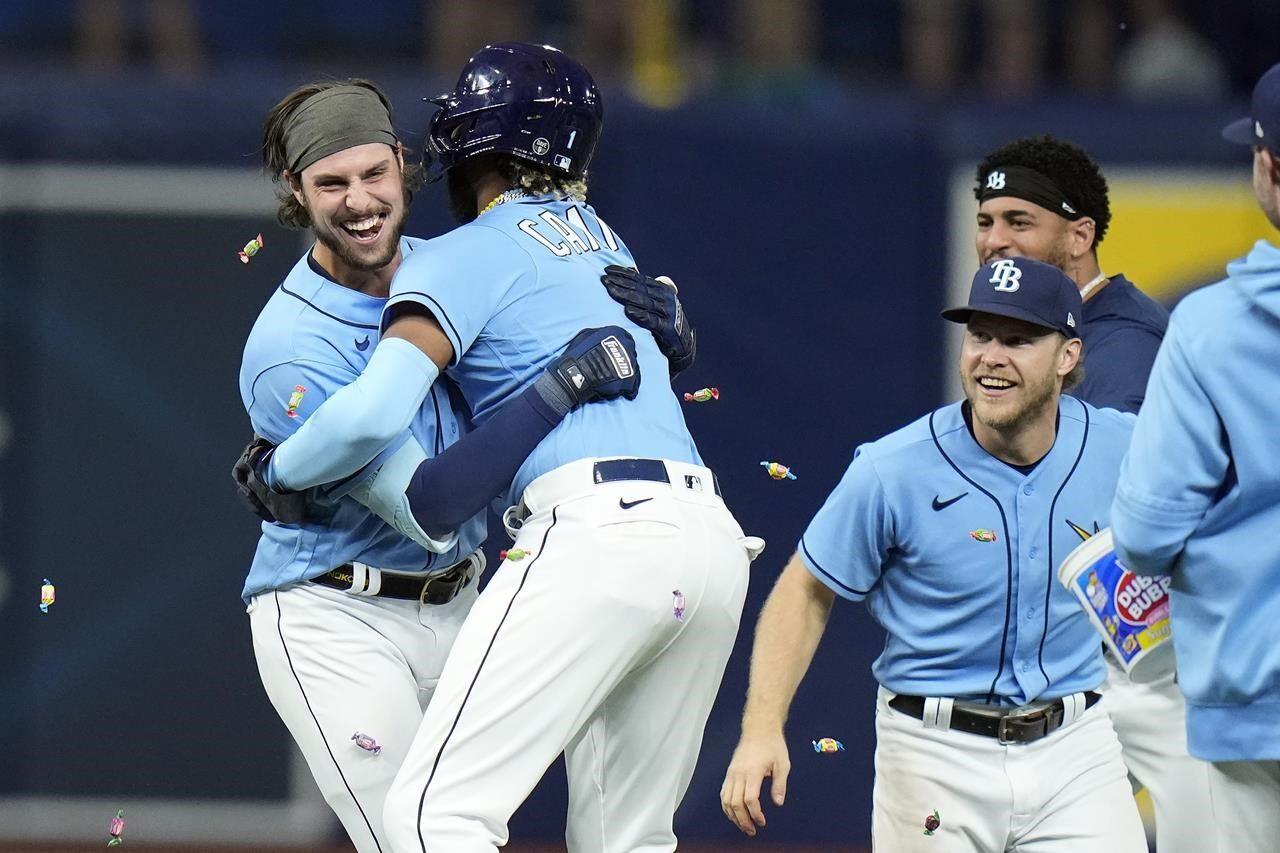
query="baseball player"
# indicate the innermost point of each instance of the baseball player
(1045, 198)
(1197, 499)
(605, 633)
(352, 617)
(989, 731)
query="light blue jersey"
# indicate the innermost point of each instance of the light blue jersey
(313, 337)
(510, 290)
(956, 554)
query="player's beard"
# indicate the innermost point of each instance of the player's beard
(364, 258)
(1000, 417)
(462, 196)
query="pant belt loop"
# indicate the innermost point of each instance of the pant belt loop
(359, 577)
(375, 581)
(1073, 708)
(937, 713)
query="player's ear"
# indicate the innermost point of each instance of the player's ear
(1069, 356)
(400, 155)
(1083, 233)
(295, 186)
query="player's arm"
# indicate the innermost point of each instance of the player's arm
(1177, 466)
(841, 553)
(787, 634)
(426, 498)
(357, 422)
(444, 491)
(1123, 360)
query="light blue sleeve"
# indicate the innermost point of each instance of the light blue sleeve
(847, 542)
(462, 278)
(356, 422)
(1174, 467)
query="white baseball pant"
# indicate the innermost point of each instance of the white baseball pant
(1245, 799)
(334, 664)
(1065, 793)
(578, 647)
(1151, 722)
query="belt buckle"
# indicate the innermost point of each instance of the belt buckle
(435, 592)
(1013, 727)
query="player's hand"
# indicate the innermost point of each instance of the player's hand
(756, 757)
(652, 304)
(250, 473)
(598, 364)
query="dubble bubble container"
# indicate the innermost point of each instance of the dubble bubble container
(1130, 611)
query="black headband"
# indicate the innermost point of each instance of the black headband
(1029, 185)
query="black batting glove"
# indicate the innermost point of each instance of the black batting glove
(652, 303)
(598, 364)
(250, 474)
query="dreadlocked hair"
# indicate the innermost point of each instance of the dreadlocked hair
(537, 180)
(1064, 163)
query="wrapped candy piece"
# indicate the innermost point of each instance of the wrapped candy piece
(366, 743)
(677, 605)
(295, 400)
(515, 555)
(702, 395)
(117, 829)
(778, 471)
(828, 744)
(47, 596)
(250, 249)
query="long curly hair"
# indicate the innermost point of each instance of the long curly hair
(291, 212)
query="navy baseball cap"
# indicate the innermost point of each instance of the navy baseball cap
(1023, 289)
(1262, 127)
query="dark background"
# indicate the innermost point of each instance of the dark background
(806, 225)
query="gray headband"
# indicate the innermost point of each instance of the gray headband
(332, 121)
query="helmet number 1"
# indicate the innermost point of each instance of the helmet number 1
(572, 135)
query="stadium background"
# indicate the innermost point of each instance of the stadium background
(801, 168)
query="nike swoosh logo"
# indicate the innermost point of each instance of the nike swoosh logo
(629, 505)
(363, 345)
(938, 505)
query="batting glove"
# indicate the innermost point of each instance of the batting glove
(653, 304)
(598, 364)
(250, 474)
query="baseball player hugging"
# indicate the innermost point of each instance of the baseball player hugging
(990, 735)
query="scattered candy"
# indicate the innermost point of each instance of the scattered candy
(117, 829)
(677, 606)
(47, 595)
(778, 471)
(983, 535)
(250, 249)
(295, 400)
(515, 555)
(702, 395)
(366, 743)
(932, 822)
(828, 744)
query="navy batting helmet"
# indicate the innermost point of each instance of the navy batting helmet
(527, 100)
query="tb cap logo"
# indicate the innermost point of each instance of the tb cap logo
(1005, 275)
(995, 181)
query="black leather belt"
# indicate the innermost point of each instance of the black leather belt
(614, 470)
(1008, 725)
(436, 589)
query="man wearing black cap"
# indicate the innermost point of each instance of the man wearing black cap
(1045, 198)
(988, 726)
(1199, 499)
